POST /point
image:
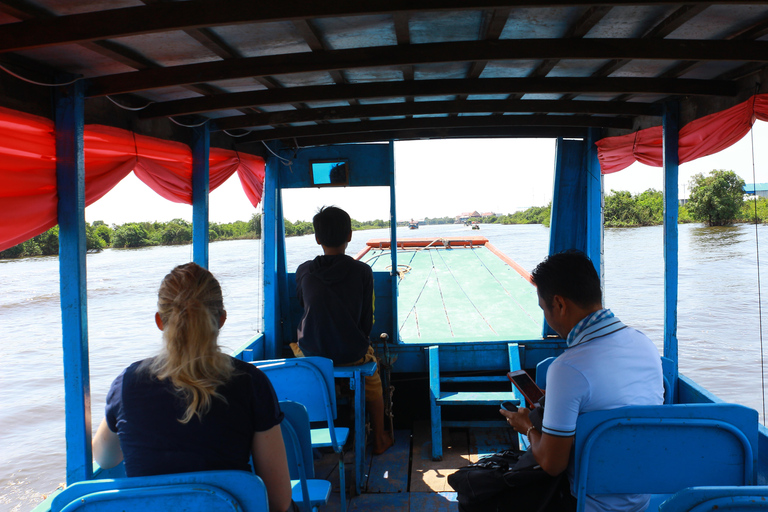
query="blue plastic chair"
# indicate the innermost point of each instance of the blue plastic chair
(662, 449)
(308, 492)
(726, 498)
(205, 491)
(310, 381)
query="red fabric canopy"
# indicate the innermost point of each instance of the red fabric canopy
(701, 137)
(28, 170)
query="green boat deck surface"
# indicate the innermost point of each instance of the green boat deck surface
(460, 294)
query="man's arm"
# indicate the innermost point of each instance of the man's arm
(551, 452)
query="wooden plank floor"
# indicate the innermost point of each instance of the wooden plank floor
(405, 478)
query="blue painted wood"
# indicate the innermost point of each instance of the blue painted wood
(284, 333)
(70, 182)
(356, 374)
(433, 502)
(720, 498)
(568, 225)
(310, 381)
(389, 471)
(433, 366)
(270, 234)
(487, 441)
(594, 203)
(670, 125)
(201, 147)
(663, 449)
(369, 164)
(383, 502)
(394, 332)
(206, 491)
(308, 491)
(477, 397)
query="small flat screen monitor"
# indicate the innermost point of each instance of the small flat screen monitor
(329, 173)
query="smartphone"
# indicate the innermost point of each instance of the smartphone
(526, 385)
(510, 406)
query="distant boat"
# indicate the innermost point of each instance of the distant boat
(414, 224)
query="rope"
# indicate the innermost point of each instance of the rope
(503, 287)
(757, 255)
(132, 109)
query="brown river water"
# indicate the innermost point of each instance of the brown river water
(718, 321)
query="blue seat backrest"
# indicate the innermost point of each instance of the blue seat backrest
(663, 449)
(541, 372)
(298, 448)
(721, 498)
(307, 380)
(669, 370)
(205, 491)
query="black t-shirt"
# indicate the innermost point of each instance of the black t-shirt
(336, 293)
(144, 412)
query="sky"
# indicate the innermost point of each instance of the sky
(435, 178)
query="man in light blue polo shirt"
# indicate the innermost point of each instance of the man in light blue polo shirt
(605, 365)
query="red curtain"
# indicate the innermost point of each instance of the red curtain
(28, 170)
(701, 137)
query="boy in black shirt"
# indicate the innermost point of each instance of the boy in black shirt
(336, 292)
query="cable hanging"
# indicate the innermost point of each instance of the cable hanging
(282, 159)
(132, 109)
(28, 80)
(757, 255)
(187, 125)
(237, 136)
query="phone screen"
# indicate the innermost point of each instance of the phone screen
(527, 386)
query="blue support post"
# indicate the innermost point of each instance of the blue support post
(671, 126)
(70, 182)
(393, 229)
(269, 238)
(594, 203)
(200, 185)
(568, 228)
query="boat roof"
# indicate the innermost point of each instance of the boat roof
(312, 73)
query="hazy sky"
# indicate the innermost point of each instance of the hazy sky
(434, 178)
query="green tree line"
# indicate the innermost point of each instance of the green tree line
(145, 234)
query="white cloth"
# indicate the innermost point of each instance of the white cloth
(615, 370)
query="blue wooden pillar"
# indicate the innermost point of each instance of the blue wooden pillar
(594, 203)
(273, 231)
(393, 236)
(671, 125)
(576, 221)
(70, 182)
(201, 147)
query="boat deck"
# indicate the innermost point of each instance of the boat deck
(459, 290)
(405, 478)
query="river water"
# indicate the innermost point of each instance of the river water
(719, 321)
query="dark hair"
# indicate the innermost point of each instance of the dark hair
(332, 226)
(569, 274)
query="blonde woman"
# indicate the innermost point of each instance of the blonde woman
(192, 407)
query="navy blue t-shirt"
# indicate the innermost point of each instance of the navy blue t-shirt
(144, 412)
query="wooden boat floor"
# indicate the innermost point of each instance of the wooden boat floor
(405, 478)
(460, 294)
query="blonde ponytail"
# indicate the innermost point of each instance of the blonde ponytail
(190, 305)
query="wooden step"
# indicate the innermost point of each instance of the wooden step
(476, 398)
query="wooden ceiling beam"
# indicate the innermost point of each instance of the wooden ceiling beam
(440, 133)
(391, 56)
(427, 88)
(194, 14)
(435, 107)
(420, 128)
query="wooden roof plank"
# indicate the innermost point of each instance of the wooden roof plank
(435, 107)
(427, 88)
(469, 51)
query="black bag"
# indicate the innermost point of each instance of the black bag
(511, 481)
